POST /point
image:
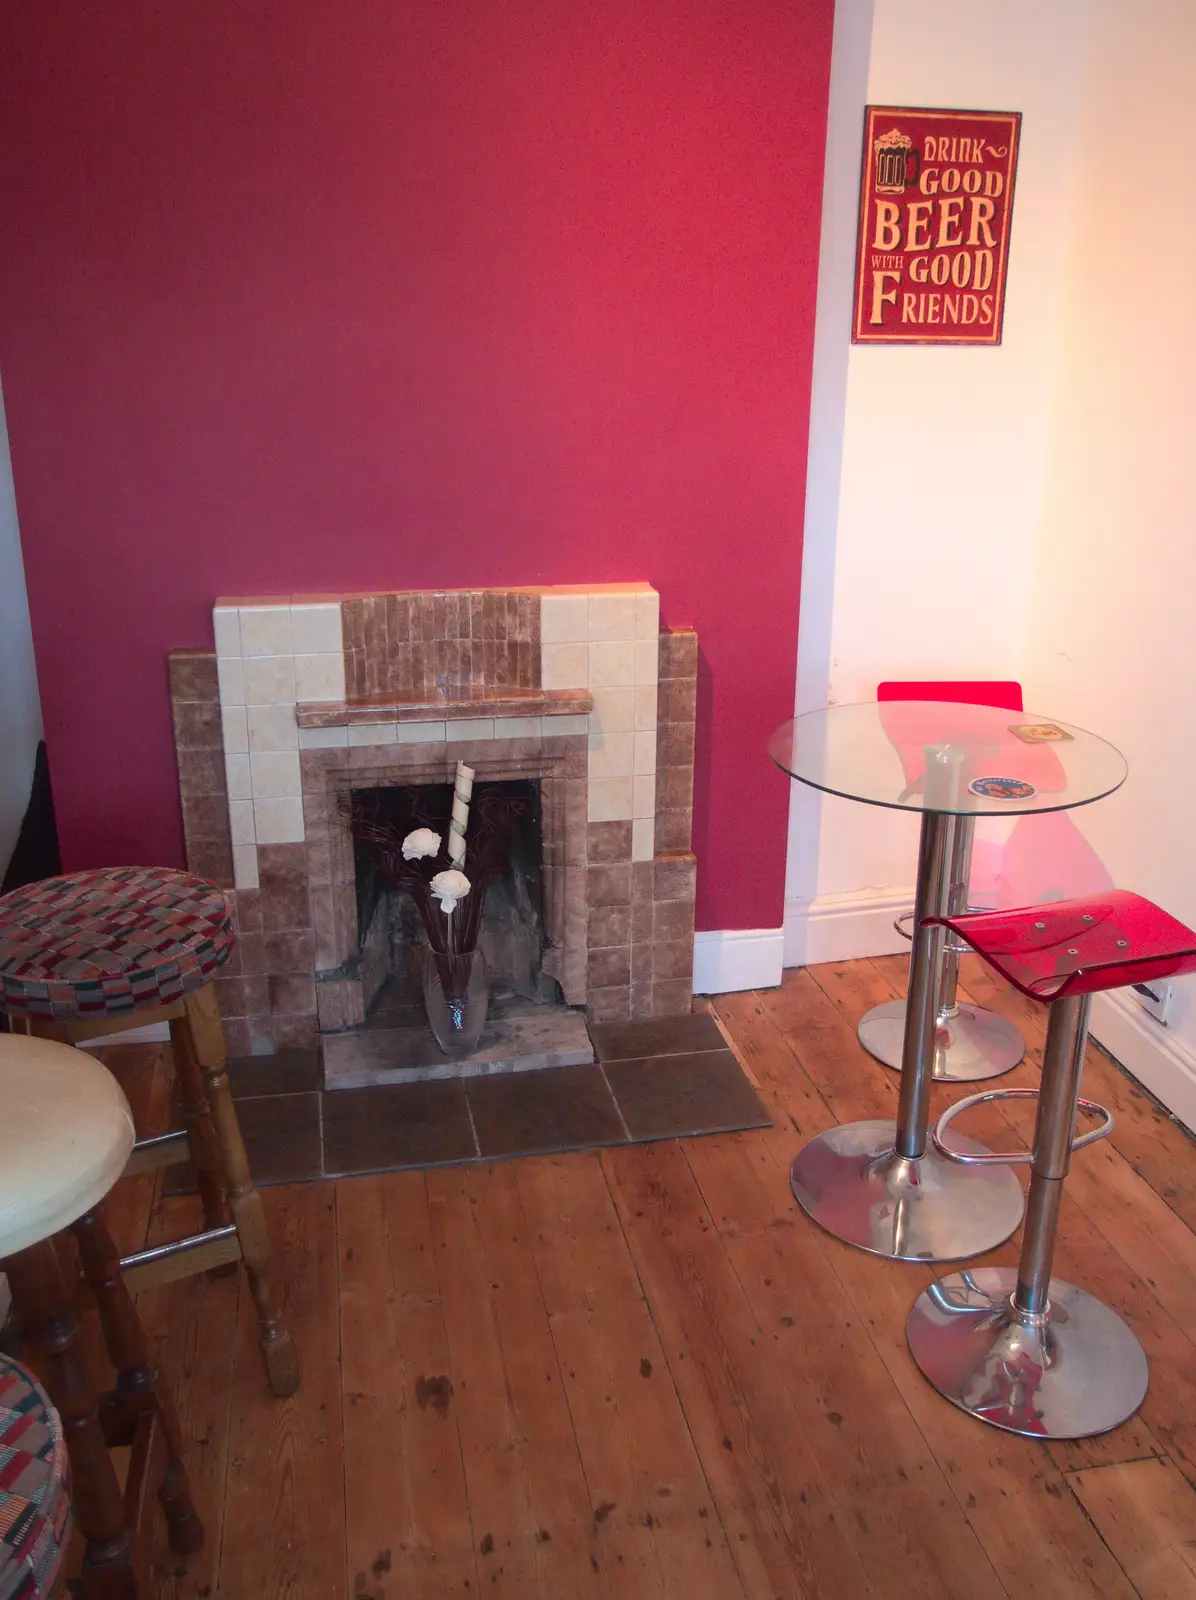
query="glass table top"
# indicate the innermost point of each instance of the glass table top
(931, 755)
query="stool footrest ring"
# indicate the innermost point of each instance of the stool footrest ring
(904, 925)
(1011, 1157)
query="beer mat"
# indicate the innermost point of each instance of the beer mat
(1038, 732)
(1002, 788)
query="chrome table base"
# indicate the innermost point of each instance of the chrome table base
(854, 1184)
(971, 1045)
(1075, 1370)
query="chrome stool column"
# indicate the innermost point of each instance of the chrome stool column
(1024, 1351)
(970, 1042)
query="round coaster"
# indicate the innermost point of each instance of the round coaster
(1002, 788)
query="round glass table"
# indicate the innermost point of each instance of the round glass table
(878, 1184)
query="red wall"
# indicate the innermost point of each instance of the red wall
(303, 296)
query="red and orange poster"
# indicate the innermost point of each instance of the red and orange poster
(936, 197)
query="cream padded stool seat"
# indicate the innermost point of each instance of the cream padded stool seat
(66, 1133)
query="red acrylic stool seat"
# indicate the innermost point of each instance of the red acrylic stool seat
(1084, 946)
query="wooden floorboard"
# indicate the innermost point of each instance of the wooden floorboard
(644, 1373)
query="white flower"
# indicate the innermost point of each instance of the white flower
(423, 842)
(449, 887)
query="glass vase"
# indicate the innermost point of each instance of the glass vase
(456, 996)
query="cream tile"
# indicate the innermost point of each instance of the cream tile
(643, 839)
(323, 738)
(556, 726)
(421, 733)
(564, 619)
(230, 675)
(320, 677)
(645, 754)
(372, 733)
(234, 730)
(612, 664)
(275, 774)
(266, 631)
(645, 796)
(647, 661)
(270, 681)
(645, 707)
(227, 628)
(610, 799)
(462, 728)
(612, 616)
(647, 615)
(236, 772)
(519, 727)
(272, 728)
(614, 711)
(245, 866)
(612, 755)
(278, 821)
(240, 821)
(316, 629)
(565, 666)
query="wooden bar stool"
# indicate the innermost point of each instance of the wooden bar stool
(96, 952)
(66, 1133)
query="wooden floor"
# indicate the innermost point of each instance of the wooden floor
(642, 1372)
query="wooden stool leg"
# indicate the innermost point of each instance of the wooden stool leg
(138, 1385)
(202, 1018)
(38, 1289)
(210, 1175)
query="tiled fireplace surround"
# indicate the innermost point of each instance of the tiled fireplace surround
(308, 697)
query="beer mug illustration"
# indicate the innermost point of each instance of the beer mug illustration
(897, 162)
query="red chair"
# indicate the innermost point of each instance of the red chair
(1019, 1349)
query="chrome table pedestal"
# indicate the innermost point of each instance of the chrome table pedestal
(1019, 1349)
(879, 1185)
(970, 1043)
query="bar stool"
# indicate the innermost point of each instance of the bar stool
(66, 1133)
(1022, 1350)
(35, 1481)
(95, 952)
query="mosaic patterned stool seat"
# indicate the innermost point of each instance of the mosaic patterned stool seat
(94, 952)
(65, 1135)
(35, 1476)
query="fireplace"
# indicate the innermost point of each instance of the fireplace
(307, 699)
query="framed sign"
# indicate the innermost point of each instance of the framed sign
(936, 197)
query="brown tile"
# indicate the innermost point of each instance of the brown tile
(676, 877)
(236, 1036)
(675, 745)
(291, 993)
(249, 910)
(674, 959)
(606, 968)
(406, 1125)
(211, 859)
(202, 772)
(643, 882)
(282, 1137)
(674, 830)
(608, 886)
(608, 926)
(284, 1073)
(677, 700)
(680, 1035)
(205, 816)
(609, 1005)
(261, 1034)
(609, 842)
(678, 657)
(193, 675)
(561, 1108)
(241, 996)
(284, 908)
(641, 1000)
(674, 788)
(672, 920)
(672, 1096)
(197, 725)
(282, 865)
(641, 964)
(672, 997)
(288, 953)
(642, 912)
(300, 1032)
(340, 1004)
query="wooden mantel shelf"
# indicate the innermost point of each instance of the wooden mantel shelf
(446, 705)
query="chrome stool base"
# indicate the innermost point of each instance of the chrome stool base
(972, 1045)
(853, 1183)
(1073, 1371)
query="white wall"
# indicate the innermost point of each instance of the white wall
(20, 709)
(919, 564)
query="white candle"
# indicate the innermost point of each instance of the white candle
(462, 792)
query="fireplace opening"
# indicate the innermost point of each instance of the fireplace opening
(391, 938)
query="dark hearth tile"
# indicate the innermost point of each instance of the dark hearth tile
(672, 1096)
(193, 675)
(667, 1036)
(202, 772)
(285, 1072)
(531, 1113)
(609, 843)
(674, 919)
(282, 1141)
(405, 1125)
(197, 725)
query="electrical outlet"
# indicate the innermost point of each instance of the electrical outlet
(1156, 999)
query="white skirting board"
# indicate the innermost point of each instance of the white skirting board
(845, 927)
(738, 958)
(148, 1033)
(1148, 1051)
